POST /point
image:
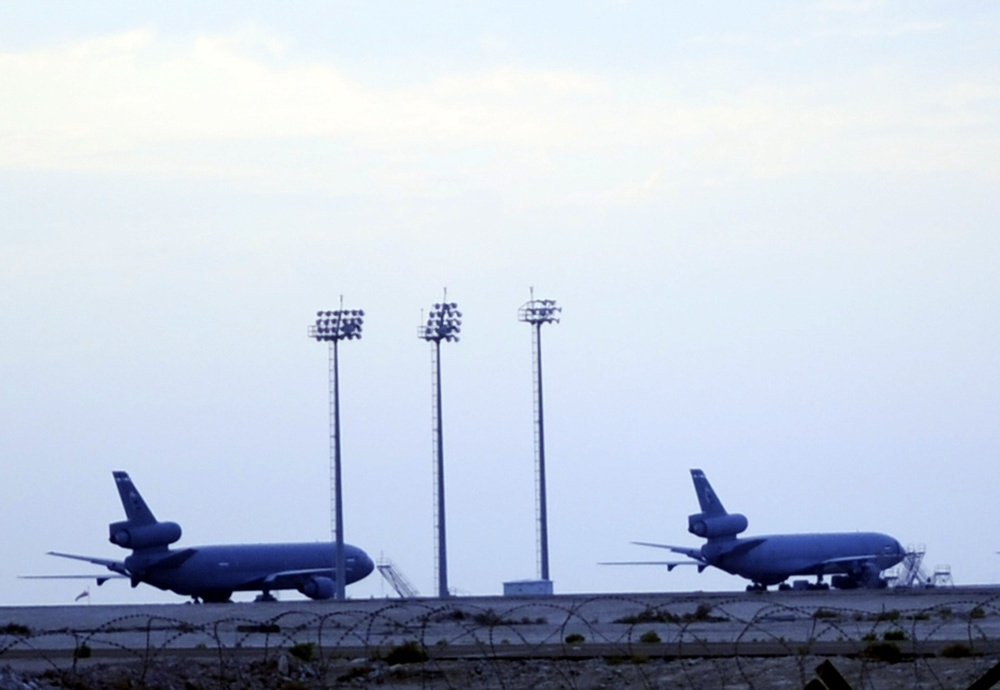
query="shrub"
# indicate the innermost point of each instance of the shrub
(574, 638)
(704, 614)
(303, 651)
(825, 614)
(883, 651)
(648, 616)
(449, 615)
(15, 629)
(977, 612)
(956, 651)
(406, 653)
(649, 637)
(896, 635)
(83, 651)
(487, 618)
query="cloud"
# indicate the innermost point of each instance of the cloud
(852, 6)
(235, 107)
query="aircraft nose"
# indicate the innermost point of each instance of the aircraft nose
(367, 565)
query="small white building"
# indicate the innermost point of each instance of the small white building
(528, 588)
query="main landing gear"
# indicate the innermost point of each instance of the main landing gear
(212, 597)
(804, 585)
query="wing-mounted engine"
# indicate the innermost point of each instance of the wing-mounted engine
(715, 526)
(129, 535)
(863, 574)
(318, 588)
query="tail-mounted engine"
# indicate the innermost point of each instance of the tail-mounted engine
(713, 526)
(128, 535)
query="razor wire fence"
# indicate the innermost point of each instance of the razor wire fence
(584, 642)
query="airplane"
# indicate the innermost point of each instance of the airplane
(854, 559)
(213, 573)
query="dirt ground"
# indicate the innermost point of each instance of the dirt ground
(288, 673)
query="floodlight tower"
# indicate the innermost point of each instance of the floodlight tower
(538, 312)
(332, 327)
(443, 323)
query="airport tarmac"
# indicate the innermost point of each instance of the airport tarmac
(945, 637)
(727, 622)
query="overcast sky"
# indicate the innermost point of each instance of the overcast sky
(773, 228)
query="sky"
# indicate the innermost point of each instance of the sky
(772, 228)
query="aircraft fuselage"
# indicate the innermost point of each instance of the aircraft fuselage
(216, 571)
(772, 559)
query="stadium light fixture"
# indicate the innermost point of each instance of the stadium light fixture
(331, 327)
(538, 312)
(443, 324)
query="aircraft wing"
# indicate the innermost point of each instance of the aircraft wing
(100, 579)
(694, 553)
(745, 545)
(173, 559)
(670, 564)
(285, 578)
(860, 559)
(850, 559)
(117, 567)
(114, 566)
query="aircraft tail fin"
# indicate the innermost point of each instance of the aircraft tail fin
(713, 522)
(136, 510)
(710, 504)
(141, 531)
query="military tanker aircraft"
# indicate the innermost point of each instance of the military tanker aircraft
(213, 573)
(854, 559)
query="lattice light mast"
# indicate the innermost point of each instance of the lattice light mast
(537, 312)
(332, 327)
(443, 324)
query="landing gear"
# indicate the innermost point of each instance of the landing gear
(756, 587)
(818, 586)
(265, 596)
(806, 585)
(845, 582)
(213, 597)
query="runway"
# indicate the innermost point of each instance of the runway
(919, 622)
